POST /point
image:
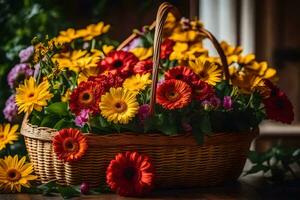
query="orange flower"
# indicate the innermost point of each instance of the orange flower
(130, 174)
(173, 94)
(69, 144)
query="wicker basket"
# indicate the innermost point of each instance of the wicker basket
(179, 161)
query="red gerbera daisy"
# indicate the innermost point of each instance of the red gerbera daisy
(86, 96)
(202, 90)
(166, 48)
(107, 80)
(119, 62)
(181, 73)
(69, 144)
(143, 67)
(173, 94)
(278, 106)
(130, 174)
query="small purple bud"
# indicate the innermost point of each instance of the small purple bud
(84, 188)
(227, 102)
(143, 112)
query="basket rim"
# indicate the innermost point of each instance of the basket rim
(133, 138)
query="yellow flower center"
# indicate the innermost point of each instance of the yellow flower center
(120, 106)
(70, 145)
(13, 175)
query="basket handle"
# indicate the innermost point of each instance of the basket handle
(161, 16)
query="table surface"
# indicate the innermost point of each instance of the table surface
(251, 187)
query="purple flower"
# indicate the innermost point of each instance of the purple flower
(84, 188)
(143, 113)
(18, 73)
(25, 54)
(82, 118)
(227, 102)
(10, 111)
(135, 43)
(36, 70)
(212, 103)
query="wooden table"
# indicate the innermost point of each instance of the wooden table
(251, 187)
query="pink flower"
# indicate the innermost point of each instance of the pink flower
(143, 113)
(26, 53)
(212, 103)
(227, 102)
(82, 118)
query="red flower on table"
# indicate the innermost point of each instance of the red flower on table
(119, 62)
(181, 73)
(86, 96)
(143, 67)
(69, 144)
(173, 94)
(130, 174)
(278, 106)
(166, 48)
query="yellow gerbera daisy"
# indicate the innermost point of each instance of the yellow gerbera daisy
(119, 105)
(66, 36)
(207, 71)
(142, 53)
(8, 134)
(182, 52)
(93, 30)
(31, 96)
(137, 83)
(14, 174)
(246, 82)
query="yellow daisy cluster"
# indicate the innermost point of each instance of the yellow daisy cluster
(245, 71)
(137, 83)
(184, 52)
(88, 33)
(77, 60)
(188, 40)
(120, 105)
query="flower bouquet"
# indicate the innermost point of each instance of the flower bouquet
(158, 110)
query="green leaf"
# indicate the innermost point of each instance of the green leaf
(58, 108)
(201, 125)
(68, 192)
(63, 124)
(48, 188)
(48, 121)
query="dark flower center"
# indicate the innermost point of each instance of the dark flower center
(31, 95)
(172, 96)
(2, 137)
(280, 104)
(118, 63)
(120, 106)
(13, 175)
(129, 173)
(70, 145)
(86, 96)
(179, 76)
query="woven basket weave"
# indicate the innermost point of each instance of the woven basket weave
(179, 161)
